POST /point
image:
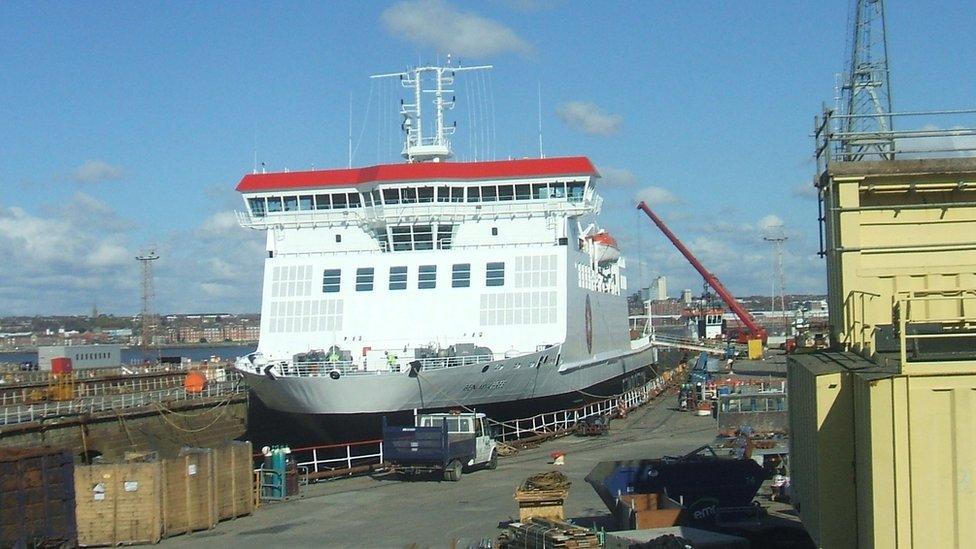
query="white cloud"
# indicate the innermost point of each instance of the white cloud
(588, 118)
(805, 190)
(438, 25)
(95, 171)
(770, 221)
(617, 177)
(655, 196)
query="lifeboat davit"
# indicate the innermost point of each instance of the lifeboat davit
(603, 247)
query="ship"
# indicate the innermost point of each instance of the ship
(435, 284)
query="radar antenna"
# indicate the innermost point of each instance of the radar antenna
(867, 88)
(417, 146)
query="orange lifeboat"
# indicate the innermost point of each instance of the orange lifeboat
(603, 247)
(195, 381)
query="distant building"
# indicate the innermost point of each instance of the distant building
(686, 296)
(660, 288)
(82, 356)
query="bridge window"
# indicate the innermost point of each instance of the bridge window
(523, 192)
(457, 194)
(575, 191)
(257, 206)
(330, 281)
(495, 274)
(322, 202)
(425, 194)
(427, 278)
(540, 191)
(291, 203)
(398, 278)
(391, 196)
(461, 275)
(339, 201)
(489, 193)
(377, 198)
(354, 200)
(367, 199)
(506, 192)
(443, 194)
(364, 279)
(408, 195)
(305, 202)
(557, 190)
(474, 194)
(274, 204)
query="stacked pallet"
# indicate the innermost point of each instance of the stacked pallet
(542, 495)
(543, 533)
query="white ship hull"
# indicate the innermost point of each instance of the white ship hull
(506, 380)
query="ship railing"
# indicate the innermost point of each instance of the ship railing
(37, 376)
(24, 413)
(417, 212)
(83, 388)
(349, 458)
(347, 367)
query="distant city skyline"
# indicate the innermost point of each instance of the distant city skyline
(127, 125)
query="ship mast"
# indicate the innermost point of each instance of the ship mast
(417, 147)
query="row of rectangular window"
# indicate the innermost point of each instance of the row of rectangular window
(572, 191)
(426, 277)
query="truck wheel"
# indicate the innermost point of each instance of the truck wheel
(493, 462)
(453, 471)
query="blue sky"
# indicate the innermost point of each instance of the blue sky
(125, 124)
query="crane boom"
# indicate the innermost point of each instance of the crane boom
(755, 330)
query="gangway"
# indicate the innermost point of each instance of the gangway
(687, 345)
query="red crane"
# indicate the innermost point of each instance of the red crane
(753, 329)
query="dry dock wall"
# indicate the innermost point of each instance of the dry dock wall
(198, 423)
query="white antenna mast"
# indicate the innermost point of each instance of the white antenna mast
(541, 153)
(350, 131)
(417, 147)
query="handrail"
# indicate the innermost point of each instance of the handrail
(348, 367)
(23, 413)
(962, 325)
(341, 458)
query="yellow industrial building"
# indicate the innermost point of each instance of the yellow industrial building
(883, 426)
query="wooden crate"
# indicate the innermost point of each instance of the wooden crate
(119, 503)
(235, 480)
(543, 533)
(189, 492)
(37, 497)
(540, 503)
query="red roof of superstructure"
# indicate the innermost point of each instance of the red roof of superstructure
(455, 171)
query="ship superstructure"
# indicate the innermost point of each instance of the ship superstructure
(435, 284)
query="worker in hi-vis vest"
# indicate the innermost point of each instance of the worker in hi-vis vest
(391, 361)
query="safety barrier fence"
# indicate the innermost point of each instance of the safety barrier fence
(23, 413)
(346, 367)
(346, 458)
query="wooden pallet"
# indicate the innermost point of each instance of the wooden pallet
(540, 503)
(543, 533)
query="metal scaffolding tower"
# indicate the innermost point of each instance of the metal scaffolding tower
(778, 276)
(866, 87)
(147, 319)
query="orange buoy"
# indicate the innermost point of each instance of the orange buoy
(195, 381)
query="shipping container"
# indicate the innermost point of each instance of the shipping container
(37, 497)
(119, 503)
(235, 479)
(189, 492)
(916, 460)
(909, 441)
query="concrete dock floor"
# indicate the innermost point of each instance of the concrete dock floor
(368, 512)
(384, 512)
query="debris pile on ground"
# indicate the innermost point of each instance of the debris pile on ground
(545, 533)
(667, 541)
(553, 480)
